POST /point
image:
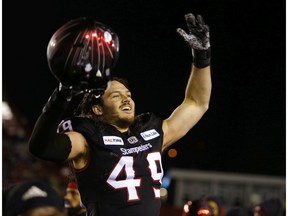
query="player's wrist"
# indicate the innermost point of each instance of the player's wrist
(201, 58)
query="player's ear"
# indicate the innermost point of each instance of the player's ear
(97, 109)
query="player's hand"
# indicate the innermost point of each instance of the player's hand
(198, 37)
(68, 92)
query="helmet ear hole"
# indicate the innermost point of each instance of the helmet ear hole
(82, 54)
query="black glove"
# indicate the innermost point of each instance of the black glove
(60, 98)
(62, 95)
(198, 39)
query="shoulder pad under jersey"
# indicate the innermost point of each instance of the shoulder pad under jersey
(147, 118)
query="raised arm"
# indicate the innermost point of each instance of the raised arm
(45, 143)
(198, 89)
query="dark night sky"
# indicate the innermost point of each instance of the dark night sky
(245, 127)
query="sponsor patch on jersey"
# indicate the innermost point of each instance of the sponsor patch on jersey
(150, 134)
(132, 139)
(113, 140)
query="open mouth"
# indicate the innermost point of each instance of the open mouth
(126, 108)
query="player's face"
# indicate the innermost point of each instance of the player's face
(72, 198)
(118, 106)
(214, 207)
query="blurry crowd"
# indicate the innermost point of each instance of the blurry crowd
(19, 165)
(39, 197)
(214, 206)
(32, 187)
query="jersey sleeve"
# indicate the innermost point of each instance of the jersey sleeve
(78, 124)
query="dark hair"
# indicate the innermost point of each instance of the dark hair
(90, 99)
